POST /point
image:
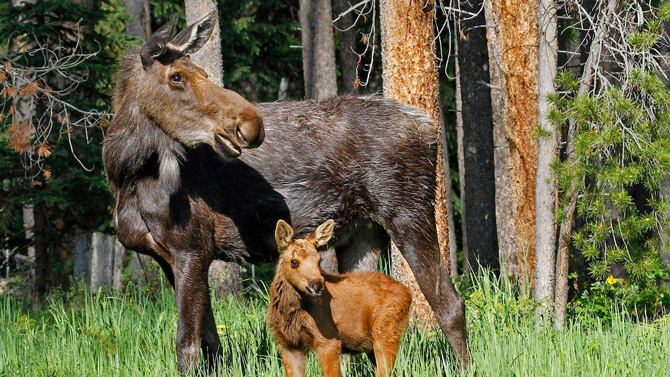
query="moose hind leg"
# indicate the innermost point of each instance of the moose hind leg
(421, 250)
(362, 251)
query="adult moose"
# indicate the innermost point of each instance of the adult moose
(185, 196)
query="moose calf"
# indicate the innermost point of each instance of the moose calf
(332, 313)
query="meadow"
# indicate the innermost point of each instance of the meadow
(132, 334)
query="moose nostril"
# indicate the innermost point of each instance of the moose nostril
(316, 285)
(241, 139)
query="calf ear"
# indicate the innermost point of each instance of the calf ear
(283, 234)
(156, 44)
(194, 36)
(322, 234)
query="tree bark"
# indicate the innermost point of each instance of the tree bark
(318, 49)
(139, 24)
(347, 42)
(222, 275)
(546, 185)
(512, 42)
(448, 197)
(209, 56)
(410, 76)
(475, 144)
(40, 283)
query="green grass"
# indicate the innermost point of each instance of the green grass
(112, 334)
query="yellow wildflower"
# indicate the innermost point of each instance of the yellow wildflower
(222, 327)
(611, 280)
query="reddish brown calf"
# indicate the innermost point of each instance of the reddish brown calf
(331, 314)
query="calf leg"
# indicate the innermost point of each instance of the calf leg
(386, 329)
(422, 253)
(328, 353)
(294, 361)
(192, 296)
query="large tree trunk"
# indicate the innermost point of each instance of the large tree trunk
(475, 144)
(139, 24)
(512, 41)
(546, 186)
(224, 278)
(410, 76)
(347, 42)
(318, 49)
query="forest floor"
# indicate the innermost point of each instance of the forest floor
(132, 334)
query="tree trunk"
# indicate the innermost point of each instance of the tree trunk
(318, 49)
(139, 24)
(410, 76)
(475, 144)
(546, 185)
(347, 43)
(448, 197)
(512, 41)
(209, 56)
(40, 283)
(221, 274)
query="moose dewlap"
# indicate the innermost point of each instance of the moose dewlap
(332, 313)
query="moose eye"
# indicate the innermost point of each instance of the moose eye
(294, 263)
(176, 79)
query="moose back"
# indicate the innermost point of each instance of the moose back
(186, 194)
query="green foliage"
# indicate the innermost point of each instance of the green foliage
(256, 36)
(621, 158)
(603, 300)
(68, 181)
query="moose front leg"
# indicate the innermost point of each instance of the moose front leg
(193, 309)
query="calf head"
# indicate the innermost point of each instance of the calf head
(299, 261)
(178, 96)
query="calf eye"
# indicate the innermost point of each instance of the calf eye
(176, 79)
(294, 263)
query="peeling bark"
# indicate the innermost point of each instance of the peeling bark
(410, 76)
(513, 43)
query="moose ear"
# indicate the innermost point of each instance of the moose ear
(194, 36)
(156, 44)
(322, 234)
(283, 234)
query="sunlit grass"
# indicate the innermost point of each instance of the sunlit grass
(112, 334)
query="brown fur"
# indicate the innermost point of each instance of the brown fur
(355, 312)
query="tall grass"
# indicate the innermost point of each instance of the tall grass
(112, 334)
